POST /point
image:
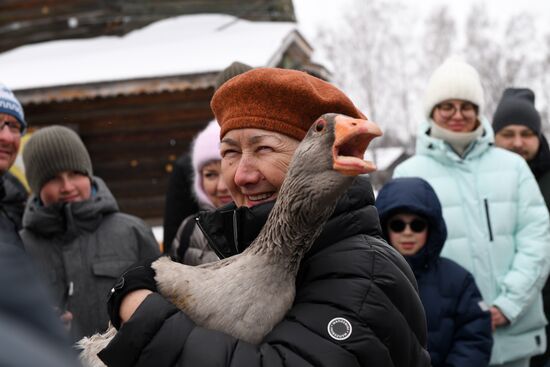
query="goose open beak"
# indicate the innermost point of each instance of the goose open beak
(352, 137)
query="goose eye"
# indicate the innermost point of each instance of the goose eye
(320, 126)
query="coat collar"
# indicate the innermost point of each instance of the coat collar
(540, 164)
(69, 219)
(443, 152)
(230, 230)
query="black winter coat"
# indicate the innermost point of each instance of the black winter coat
(540, 165)
(13, 197)
(459, 324)
(180, 202)
(356, 303)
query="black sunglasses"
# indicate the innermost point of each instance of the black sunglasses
(417, 225)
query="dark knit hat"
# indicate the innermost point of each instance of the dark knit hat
(517, 107)
(280, 100)
(236, 68)
(51, 150)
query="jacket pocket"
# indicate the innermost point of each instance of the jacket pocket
(488, 217)
(110, 268)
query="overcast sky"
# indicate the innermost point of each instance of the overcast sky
(311, 13)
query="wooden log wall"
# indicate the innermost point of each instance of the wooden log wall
(132, 140)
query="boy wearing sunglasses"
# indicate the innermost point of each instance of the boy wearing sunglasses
(459, 322)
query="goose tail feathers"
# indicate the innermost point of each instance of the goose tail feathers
(91, 346)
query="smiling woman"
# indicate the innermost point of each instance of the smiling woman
(255, 163)
(210, 192)
(309, 271)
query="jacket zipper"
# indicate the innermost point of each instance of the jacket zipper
(488, 219)
(235, 231)
(209, 240)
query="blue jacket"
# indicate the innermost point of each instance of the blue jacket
(459, 324)
(498, 230)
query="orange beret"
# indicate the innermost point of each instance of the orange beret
(281, 100)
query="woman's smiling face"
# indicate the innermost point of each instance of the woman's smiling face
(254, 164)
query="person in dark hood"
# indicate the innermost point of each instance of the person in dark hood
(459, 323)
(518, 128)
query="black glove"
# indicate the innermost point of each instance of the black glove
(139, 276)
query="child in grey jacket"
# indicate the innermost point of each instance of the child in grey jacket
(73, 229)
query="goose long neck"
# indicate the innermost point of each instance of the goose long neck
(297, 219)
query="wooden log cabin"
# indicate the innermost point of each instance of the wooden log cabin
(138, 100)
(32, 21)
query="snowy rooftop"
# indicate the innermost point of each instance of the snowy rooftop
(177, 46)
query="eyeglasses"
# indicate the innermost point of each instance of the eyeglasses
(447, 109)
(14, 127)
(416, 225)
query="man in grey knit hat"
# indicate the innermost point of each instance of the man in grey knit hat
(518, 128)
(73, 229)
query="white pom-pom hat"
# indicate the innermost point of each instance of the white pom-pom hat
(454, 79)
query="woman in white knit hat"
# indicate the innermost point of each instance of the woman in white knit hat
(190, 246)
(497, 219)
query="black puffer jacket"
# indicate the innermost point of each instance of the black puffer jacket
(356, 304)
(540, 166)
(13, 197)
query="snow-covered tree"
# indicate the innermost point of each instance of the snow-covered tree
(386, 50)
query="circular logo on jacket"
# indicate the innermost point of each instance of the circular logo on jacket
(339, 328)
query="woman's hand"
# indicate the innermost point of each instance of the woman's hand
(131, 302)
(497, 318)
(139, 277)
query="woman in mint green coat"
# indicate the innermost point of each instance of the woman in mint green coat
(497, 221)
